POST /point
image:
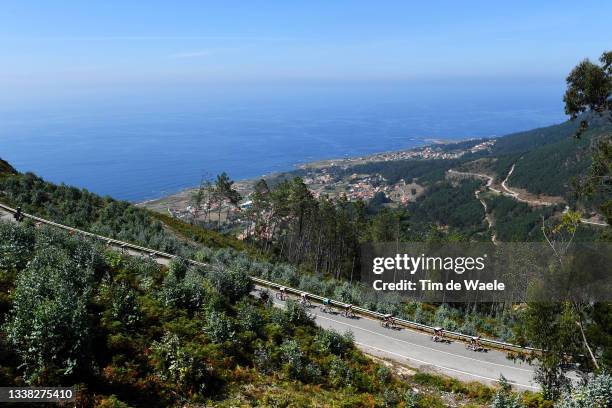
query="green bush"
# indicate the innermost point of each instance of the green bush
(504, 398)
(331, 342)
(248, 317)
(48, 326)
(123, 304)
(174, 363)
(219, 327)
(16, 246)
(297, 313)
(596, 393)
(293, 359)
(340, 374)
(231, 282)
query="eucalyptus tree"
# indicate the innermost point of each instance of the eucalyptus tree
(589, 96)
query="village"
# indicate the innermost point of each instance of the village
(323, 179)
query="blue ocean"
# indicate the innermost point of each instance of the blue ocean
(139, 144)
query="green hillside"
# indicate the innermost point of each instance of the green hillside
(532, 139)
(548, 166)
(129, 332)
(550, 169)
(5, 167)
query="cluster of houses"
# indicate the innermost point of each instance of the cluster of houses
(431, 152)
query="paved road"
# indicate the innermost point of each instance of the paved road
(416, 349)
(410, 347)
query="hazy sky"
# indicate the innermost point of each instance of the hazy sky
(50, 45)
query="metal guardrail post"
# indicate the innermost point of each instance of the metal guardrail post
(358, 310)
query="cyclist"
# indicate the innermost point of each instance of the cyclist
(18, 216)
(304, 299)
(474, 343)
(283, 293)
(326, 305)
(348, 310)
(264, 296)
(388, 321)
(438, 334)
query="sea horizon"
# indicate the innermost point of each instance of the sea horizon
(140, 146)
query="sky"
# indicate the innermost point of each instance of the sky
(51, 47)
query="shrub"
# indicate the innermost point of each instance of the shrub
(390, 398)
(183, 287)
(263, 360)
(442, 314)
(329, 341)
(174, 363)
(293, 358)
(410, 399)
(248, 317)
(172, 293)
(449, 325)
(232, 282)
(596, 393)
(178, 267)
(123, 304)
(16, 245)
(48, 326)
(419, 315)
(111, 402)
(469, 326)
(340, 373)
(504, 398)
(219, 327)
(297, 314)
(383, 374)
(279, 318)
(194, 289)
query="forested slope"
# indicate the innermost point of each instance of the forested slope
(151, 336)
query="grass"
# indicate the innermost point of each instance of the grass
(472, 390)
(206, 237)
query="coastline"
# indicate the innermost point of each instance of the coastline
(181, 198)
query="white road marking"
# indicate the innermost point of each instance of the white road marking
(445, 368)
(425, 347)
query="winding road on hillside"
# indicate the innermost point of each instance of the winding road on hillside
(404, 346)
(507, 191)
(416, 349)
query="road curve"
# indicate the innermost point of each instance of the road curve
(406, 346)
(516, 195)
(416, 349)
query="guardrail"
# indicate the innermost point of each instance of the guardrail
(401, 322)
(262, 282)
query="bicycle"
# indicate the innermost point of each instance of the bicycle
(326, 307)
(348, 313)
(475, 345)
(305, 302)
(389, 322)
